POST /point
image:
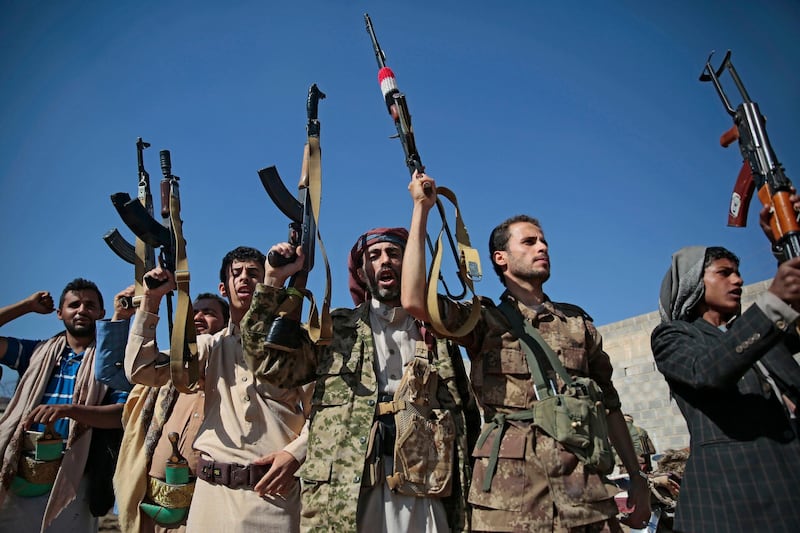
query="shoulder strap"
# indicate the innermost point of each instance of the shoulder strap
(542, 360)
(183, 344)
(320, 326)
(469, 269)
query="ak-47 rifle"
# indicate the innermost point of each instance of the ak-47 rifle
(140, 255)
(760, 169)
(303, 212)
(465, 256)
(168, 238)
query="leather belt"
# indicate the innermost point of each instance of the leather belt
(231, 475)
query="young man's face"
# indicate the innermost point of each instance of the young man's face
(208, 316)
(723, 288)
(241, 284)
(383, 266)
(79, 312)
(526, 256)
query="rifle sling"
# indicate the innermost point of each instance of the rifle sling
(320, 326)
(468, 268)
(541, 358)
(183, 344)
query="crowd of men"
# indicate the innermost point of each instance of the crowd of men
(381, 429)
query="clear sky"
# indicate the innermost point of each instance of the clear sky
(588, 115)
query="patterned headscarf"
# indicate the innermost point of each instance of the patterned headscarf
(358, 289)
(682, 288)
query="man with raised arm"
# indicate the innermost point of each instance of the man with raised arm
(388, 439)
(57, 389)
(250, 441)
(525, 480)
(146, 502)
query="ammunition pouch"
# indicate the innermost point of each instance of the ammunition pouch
(424, 446)
(577, 419)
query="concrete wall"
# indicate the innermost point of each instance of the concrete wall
(643, 390)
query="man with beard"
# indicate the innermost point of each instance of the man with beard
(250, 440)
(151, 414)
(525, 480)
(388, 438)
(56, 388)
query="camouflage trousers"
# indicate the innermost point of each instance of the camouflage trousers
(537, 486)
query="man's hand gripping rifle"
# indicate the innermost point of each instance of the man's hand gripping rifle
(760, 170)
(303, 232)
(167, 236)
(465, 256)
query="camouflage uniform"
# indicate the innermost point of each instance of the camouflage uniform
(537, 485)
(344, 409)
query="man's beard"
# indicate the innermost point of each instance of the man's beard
(381, 294)
(527, 272)
(81, 332)
(539, 275)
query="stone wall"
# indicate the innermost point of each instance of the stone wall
(643, 390)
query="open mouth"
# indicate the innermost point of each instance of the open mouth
(244, 292)
(387, 278)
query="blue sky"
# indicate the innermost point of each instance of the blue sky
(587, 115)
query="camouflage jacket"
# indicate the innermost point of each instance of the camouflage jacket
(344, 408)
(502, 384)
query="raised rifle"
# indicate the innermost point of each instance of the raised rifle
(140, 255)
(464, 255)
(761, 169)
(167, 237)
(303, 212)
(300, 211)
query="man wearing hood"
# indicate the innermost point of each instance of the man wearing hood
(737, 384)
(387, 448)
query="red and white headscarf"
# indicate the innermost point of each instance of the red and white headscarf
(358, 289)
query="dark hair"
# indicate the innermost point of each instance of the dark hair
(80, 284)
(499, 239)
(226, 313)
(242, 253)
(718, 252)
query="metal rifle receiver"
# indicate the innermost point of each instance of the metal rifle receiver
(761, 169)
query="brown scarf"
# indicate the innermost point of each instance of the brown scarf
(146, 411)
(30, 390)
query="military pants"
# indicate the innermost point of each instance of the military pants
(537, 486)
